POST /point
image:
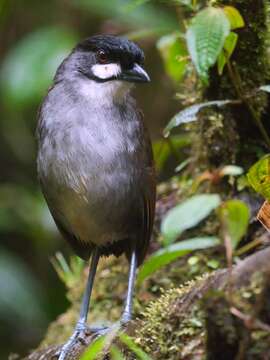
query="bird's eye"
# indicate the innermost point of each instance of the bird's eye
(102, 57)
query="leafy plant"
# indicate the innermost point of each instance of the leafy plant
(205, 38)
(187, 215)
(259, 176)
(164, 147)
(172, 252)
(140, 354)
(190, 114)
(94, 349)
(116, 353)
(104, 342)
(234, 217)
(174, 53)
(68, 273)
(228, 49)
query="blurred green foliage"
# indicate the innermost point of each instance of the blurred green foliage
(30, 65)
(21, 296)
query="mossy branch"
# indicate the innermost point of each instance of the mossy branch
(177, 304)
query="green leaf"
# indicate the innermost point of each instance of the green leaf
(205, 38)
(187, 215)
(94, 349)
(174, 54)
(235, 18)
(116, 354)
(228, 49)
(163, 148)
(28, 68)
(127, 340)
(190, 114)
(172, 252)
(69, 274)
(259, 176)
(234, 216)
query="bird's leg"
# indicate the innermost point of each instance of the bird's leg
(81, 324)
(126, 316)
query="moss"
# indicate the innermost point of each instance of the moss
(110, 288)
(229, 134)
(205, 328)
(165, 335)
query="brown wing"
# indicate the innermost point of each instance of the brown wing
(148, 197)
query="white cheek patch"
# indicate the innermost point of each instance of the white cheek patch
(106, 71)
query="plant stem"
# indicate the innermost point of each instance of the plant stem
(251, 245)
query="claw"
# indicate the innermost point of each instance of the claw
(69, 345)
(77, 336)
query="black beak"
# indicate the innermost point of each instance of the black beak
(135, 74)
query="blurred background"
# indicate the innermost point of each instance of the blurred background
(35, 36)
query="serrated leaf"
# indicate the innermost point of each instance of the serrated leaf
(187, 215)
(259, 177)
(172, 252)
(190, 114)
(205, 38)
(228, 49)
(173, 51)
(234, 216)
(28, 68)
(235, 18)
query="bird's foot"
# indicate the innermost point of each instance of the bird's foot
(125, 319)
(79, 336)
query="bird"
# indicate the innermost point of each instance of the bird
(95, 163)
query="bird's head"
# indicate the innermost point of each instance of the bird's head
(106, 58)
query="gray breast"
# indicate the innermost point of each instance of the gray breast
(88, 168)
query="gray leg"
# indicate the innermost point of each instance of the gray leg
(127, 313)
(81, 324)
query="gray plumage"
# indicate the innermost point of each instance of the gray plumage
(95, 162)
